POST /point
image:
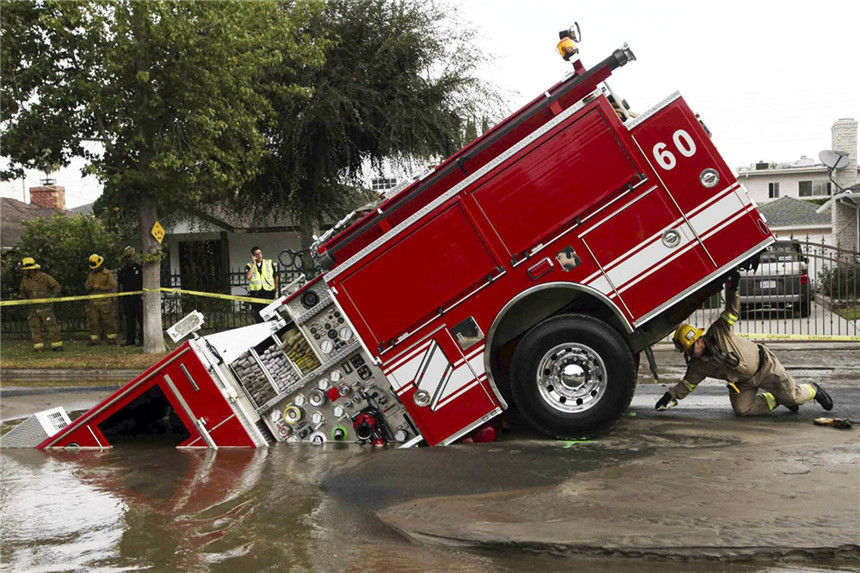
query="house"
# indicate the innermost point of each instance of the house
(804, 178)
(807, 179)
(792, 218)
(204, 245)
(45, 202)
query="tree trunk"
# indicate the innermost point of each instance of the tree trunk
(309, 228)
(153, 337)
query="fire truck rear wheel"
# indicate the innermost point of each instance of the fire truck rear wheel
(573, 376)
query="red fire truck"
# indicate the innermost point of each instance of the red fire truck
(530, 269)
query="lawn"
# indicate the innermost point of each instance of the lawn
(851, 313)
(77, 355)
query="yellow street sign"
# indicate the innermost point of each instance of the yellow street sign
(158, 232)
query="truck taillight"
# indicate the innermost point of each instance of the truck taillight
(804, 279)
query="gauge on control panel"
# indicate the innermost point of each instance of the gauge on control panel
(338, 411)
(299, 401)
(345, 333)
(317, 418)
(327, 346)
(335, 376)
(323, 384)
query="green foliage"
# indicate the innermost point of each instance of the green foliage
(61, 246)
(162, 97)
(841, 282)
(397, 83)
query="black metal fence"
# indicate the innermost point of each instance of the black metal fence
(801, 291)
(220, 314)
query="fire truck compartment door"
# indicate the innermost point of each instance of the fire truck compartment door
(417, 273)
(443, 390)
(201, 406)
(646, 251)
(556, 178)
(683, 156)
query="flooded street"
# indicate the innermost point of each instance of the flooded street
(520, 504)
(160, 509)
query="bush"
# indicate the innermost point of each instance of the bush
(842, 282)
(61, 246)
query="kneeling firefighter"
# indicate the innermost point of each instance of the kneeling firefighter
(756, 380)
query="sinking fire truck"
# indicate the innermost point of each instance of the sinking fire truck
(529, 269)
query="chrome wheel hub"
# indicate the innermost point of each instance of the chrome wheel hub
(571, 378)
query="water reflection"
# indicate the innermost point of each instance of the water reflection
(166, 509)
(279, 509)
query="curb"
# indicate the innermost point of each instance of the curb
(13, 374)
(24, 391)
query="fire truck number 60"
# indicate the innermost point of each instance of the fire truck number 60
(683, 143)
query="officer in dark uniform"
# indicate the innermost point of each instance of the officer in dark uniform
(130, 278)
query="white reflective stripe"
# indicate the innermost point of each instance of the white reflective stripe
(650, 255)
(428, 369)
(771, 401)
(811, 389)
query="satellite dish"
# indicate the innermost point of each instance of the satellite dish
(833, 159)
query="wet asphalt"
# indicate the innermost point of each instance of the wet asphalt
(693, 483)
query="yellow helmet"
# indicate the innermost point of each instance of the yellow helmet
(29, 264)
(96, 261)
(686, 336)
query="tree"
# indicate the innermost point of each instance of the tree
(397, 84)
(161, 97)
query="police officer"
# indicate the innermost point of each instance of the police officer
(130, 279)
(100, 281)
(37, 284)
(262, 280)
(756, 380)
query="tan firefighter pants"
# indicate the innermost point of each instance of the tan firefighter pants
(102, 312)
(40, 318)
(772, 386)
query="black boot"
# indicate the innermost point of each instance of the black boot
(793, 407)
(823, 397)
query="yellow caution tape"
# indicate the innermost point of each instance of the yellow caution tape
(118, 294)
(66, 298)
(213, 295)
(813, 337)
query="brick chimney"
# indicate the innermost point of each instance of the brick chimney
(48, 194)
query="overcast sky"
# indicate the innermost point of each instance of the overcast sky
(767, 78)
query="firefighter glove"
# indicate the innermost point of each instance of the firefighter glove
(665, 403)
(733, 280)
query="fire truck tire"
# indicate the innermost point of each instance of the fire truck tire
(572, 376)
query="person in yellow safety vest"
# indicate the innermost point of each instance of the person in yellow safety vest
(747, 367)
(262, 280)
(100, 281)
(35, 285)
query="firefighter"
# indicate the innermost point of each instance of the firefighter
(100, 281)
(37, 284)
(262, 280)
(756, 380)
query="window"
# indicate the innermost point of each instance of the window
(773, 190)
(382, 183)
(817, 188)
